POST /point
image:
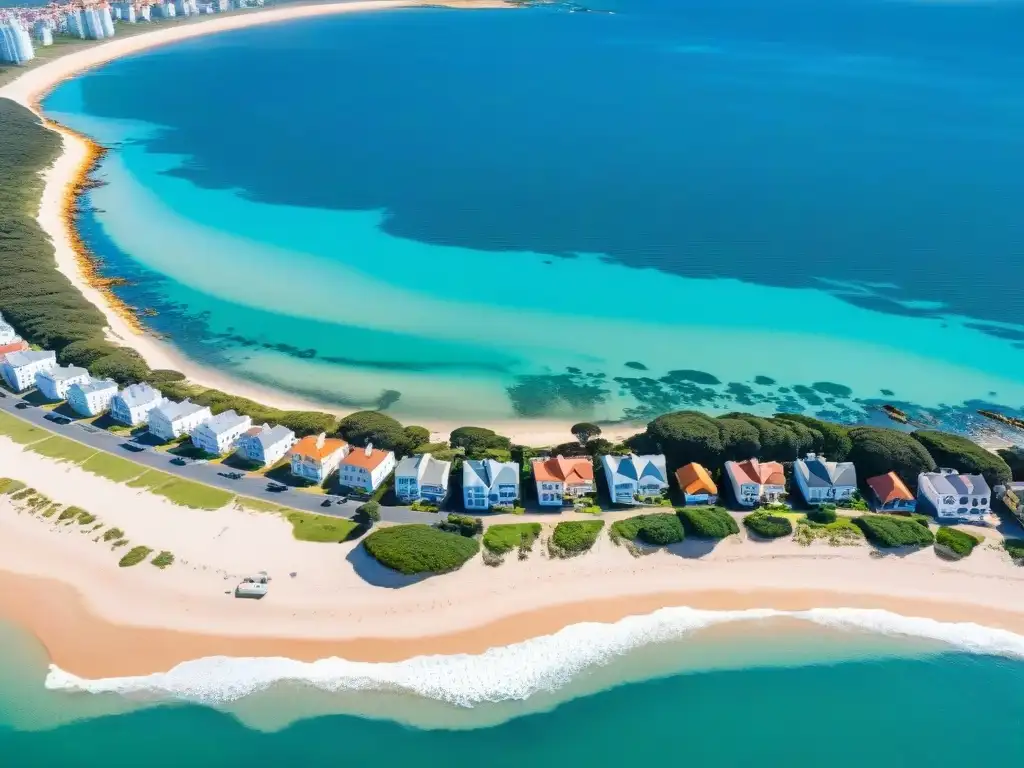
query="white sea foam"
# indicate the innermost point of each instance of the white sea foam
(513, 672)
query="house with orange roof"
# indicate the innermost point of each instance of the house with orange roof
(756, 481)
(14, 346)
(696, 485)
(315, 457)
(366, 468)
(561, 480)
(891, 494)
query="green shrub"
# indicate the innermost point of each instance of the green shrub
(958, 542)
(767, 525)
(423, 506)
(894, 531)
(70, 512)
(9, 486)
(824, 514)
(163, 560)
(922, 519)
(878, 450)
(658, 528)
(365, 427)
(85, 518)
(477, 441)
(708, 522)
(1015, 548)
(24, 493)
(574, 537)
(464, 525)
(964, 455)
(368, 513)
(504, 538)
(113, 533)
(413, 549)
(134, 556)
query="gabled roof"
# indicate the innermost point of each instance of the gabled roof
(435, 471)
(267, 435)
(957, 485)
(60, 373)
(173, 411)
(27, 357)
(889, 487)
(14, 346)
(818, 472)
(368, 458)
(758, 472)
(694, 479)
(139, 394)
(95, 385)
(635, 468)
(318, 446)
(490, 472)
(223, 422)
(558, 469)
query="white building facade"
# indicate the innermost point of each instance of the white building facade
(489, 483)
(422, 478)
(266, 445)
(19, 369)
(133, 404)
(171, 420)
(822, 481)
(954, 497)
(366, 468)
(93, 397)
(55, 382)
(219, 435)
(635, 479)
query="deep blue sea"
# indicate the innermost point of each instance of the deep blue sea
(801, 205)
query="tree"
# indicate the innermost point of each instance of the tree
(877, 451)
(585, 431)
(687, 436)
(835, 438)
(125, 366)
(599, 447)
(416, 436)
(84, 353)
(368, 513)
(477, 440)
(964, 455)
(1014, 458)
(365, 427)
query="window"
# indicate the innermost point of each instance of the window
(963, 499)
(984, 502)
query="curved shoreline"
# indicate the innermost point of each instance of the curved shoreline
(68, 178)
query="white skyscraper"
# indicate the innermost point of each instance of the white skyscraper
(183, 7)
(15, 42)
(106, 22)
(43, 33)
(76, 23)
(127, 11)
(144, 13)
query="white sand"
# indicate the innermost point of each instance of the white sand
(29, 89)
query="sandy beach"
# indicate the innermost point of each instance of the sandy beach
(333, 600)
(63, 178)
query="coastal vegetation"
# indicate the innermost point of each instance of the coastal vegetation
(10, 486)
(585, 431)
(480, 443)
(1015, 549)
(768, 526)
(840, 532)
(877, 451)
(464, 525)
(708, 522)
(418, 549)
(824, 514)
(134, 556)
(953, 540)
(894, 531)
(112, 534)
(163, 559)
(574, 537)
(658, 529)
(501, 539)
(365, 427)
(965, 456)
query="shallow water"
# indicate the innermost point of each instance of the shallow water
(807, 207)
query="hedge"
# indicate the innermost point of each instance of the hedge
(414, 549)
(958, 542)
(708, 522)
(658, 528)
(574, 537)
(769, 526)
(963, 455)
(894, 531)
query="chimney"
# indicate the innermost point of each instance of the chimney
(369, 449)
(320, 440)
(810, 457)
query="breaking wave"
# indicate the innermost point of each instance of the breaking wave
(512, 672)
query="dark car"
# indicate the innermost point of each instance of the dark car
(276, 487)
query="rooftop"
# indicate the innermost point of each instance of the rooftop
(137, 394)
(173, 410)
(560, 469)
(18, 359)
(95, 385)
(889, 487)
(318, 446)
(61, 373)
(759, 472)
(268, 435)
(225, 421)
(367, 458)
(693, 478)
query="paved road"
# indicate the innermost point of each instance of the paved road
(248, 485)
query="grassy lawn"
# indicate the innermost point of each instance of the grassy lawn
(195, 495)
(112, 467)
(150, 479)
(504, 538)
(63, 449)
(842, 531)
(320, 528)
(21, 431)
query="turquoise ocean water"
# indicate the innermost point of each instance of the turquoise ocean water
(803, 206)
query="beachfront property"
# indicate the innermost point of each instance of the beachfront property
(7, 333)
(366, 468)
(954, 497)
(315, 457)
(134, 403)
(562, 480)
(15, 41)
(14, 346)
(422, 478)
(266, 445)
(488, 483)
(635, 479)
(219, 434)
(890, 494)
(171, 420)
(756, 482)
(19, 369)
(822, 481)
(93, 397)
(54, 382)
(696, 485)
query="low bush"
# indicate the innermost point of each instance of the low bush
(824, 514)
(956, 541)
(368, 513)
(70, 512)
(708, 522)
(893, 531)
(163, 560)
(658, 528)
(134, 556)
(574, 537)
(1015, 548)
(464, 525)
(504, 538)
(9, 485)
(86, 518)
(423, 506)
(767, 525)
(922, 519)
(113, 533)
(413, 549)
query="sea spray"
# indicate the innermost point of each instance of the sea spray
(512, 672)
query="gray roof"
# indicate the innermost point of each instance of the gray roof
(818, 472)
(70, 372)
(18, 359)
(435, 471)
(491, 472)
(267, 435)
(173, 410)
(95, 385)
(139, 394)
(945, 483)
(222, 422)
(635, 467)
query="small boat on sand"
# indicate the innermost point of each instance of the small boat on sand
(253, 586)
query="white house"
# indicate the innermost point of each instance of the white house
(93, 397)
(954, 497)
(366, 468)
(561, 480)
(634, 479)
(219, 434)
(756, 481)
(171, 420)
(315, 457)
(55, 382)
(422, 477)
(266, 445)
(489, 483)
(133, 404)
(19, 369)
(822, 481)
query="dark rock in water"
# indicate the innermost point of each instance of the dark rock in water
(895, 413)
(832, 389)
(888, 392)
(636, 366)
(764, 381)
(388, 398)
(696, 377)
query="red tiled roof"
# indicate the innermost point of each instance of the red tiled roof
(761, 472)
(889, 488)
(360, 457)
(561, 469)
